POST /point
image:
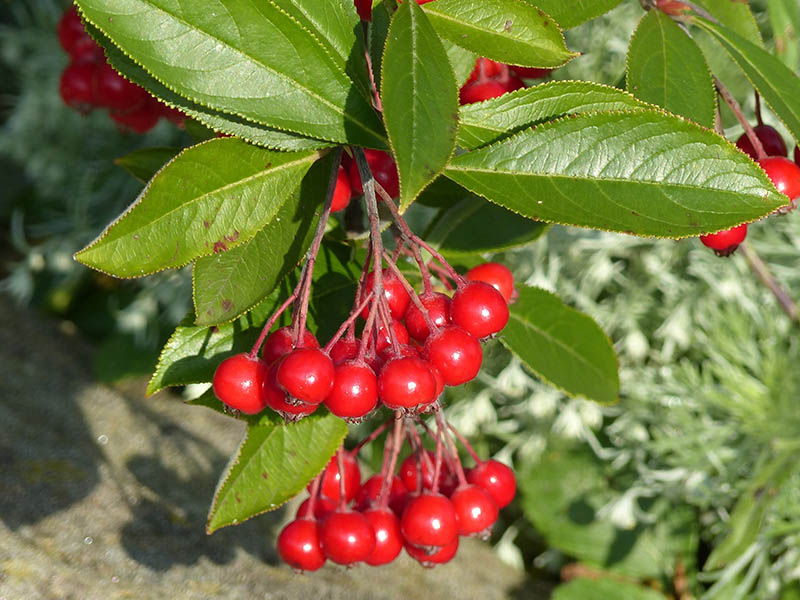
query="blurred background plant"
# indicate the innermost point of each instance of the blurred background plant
(687, 487)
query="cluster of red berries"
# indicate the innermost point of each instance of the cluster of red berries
(490, 79)
(348, 181)
(424, 508)
(90, 82)
(783, 173)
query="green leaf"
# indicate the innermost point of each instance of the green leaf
(646, 173)
(248, 59)
(777, 84)
(486, 122)
(667, 68)
(229, 283)
(211, 197)
(784, 16)
(460, 229)
(573, 13)
(604, 589)
(462, 61)
(420, 101)
(274, 462)
(736, 16)
(562, 346)
(508, 31)
(146, 162)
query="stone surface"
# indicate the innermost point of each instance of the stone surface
(104, 493)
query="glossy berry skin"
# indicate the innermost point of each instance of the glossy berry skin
(396, 295)
(330, 478)
(531, 72)
(409, 474)
(299, 545)
(354, 392)
(74, 39)
(346, 537)
(438, 307)
(388, 539)
(457, 354)
(306, 374)
(138, 120)
(479, 309)
(406, 382)
(770, 139)
(476, 510)
(322, 507)
(438, 557)
(279, 343)
(383, 169)
(429, 520)
(481, 91)
(371, 489)
(238, 383)
(496, 478)
(117, 93)
(785, 175)
(495, 274)
(342, 192)
(346, 348)
(78, 86)
(383, 342)
(277, 399)
(725, 242)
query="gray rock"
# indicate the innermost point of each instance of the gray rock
(104, 494)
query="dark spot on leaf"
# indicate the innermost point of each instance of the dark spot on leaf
(227, 304)
(634, 213)
(545, 23)
(214, 329)
(206, 224)
(507, 26)
(292, 453)
(136, 236)
(541, 12)
(264, 475)
(219, 247)
(268, 165)
(233, 237)
(238, 499)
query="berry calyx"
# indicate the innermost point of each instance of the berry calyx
(306, 374)
(438, 307)
(406, 382)
(346, 537)
(437, 557)
(238, 383)
(388, 538)
(457, 354)
(479, 309)
(497, 275)
(279, 343)
(476, 510)
(299, 545)
(429, 521)
(496, 478)
(770, 139)
(354, 392)
(342, 192)
(329, 486)
(724, 243)
(784, 174)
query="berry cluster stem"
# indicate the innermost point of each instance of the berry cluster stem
(732, 103)
(761, 270)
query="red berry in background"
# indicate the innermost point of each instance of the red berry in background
(299, 545)
(238, 383)
(438, 307)
(457, 354)
(531, 72)
(393, 290)
(495, 274)
(279, 343)
(354, 392)
(439, 557)
(369, 492)
(725, 242)
(410, 469)
(342, 193)
(322, 507)
(346, 537)
(118, 94)
(480, 91)
(484, 69)
(383, 168)
(78, 86)
(476, 510)
(344, 349)
(383, 343)
(496, 478)
(364, 9)
(479, 309)
(138, 120)
(388, 539)
(785, 175)
(306, 374)
(330, 478)
(429, 521)
(277, 399)
(770, 139)
(173, 115)
(406, 382)
(75, 41)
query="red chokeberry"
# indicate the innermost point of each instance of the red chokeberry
(299, 545)
(457, 354)
(329, 486)
(495, 274)
(438, 307)
(306, 374)
(345, 348)
(322, 507)
(770, 139)
(75, 41)
(138, 120)
(383, 342)
(479, 309)
(476, 510)
(238, 382)
(429, 521)
(406, 382)
(725, 242)
(354, 392)
(481, 91)
(279, 343)
(118, 94)
(342, 191)
(784, 174)
(388, 538)
(413, 464)
(277, 399)
(484, 69)
(430, 559)
(371, 489)
(496, 478)
(78, 86)
(346, 537)
(393, 290)
(383, 169)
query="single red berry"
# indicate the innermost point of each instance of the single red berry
(479, 309)
(484, 69)
(437, 375)
(438, 307)
(238, 383)
(497, 275)
(531, 72)
(496, 478)
(346, 348)
(383, 169)
(322, 507)
(117, 93)
(388, 539)
(138, 120)
(369, 492)
(410, 468)
(342, 191)
(277, 399)
(476, 510)
(429, 521)
(346, 537)
(393, 290)
(457, 354)
(330, 478)
(75, 41)
(406, 382)
(439, 556)
(770, 139)
(383, 343)
(78, 86)
(364, 9)
(354, 392)
(306, 374)
(480, 91)
(725, 242)
(785, 175)
(279, 343)
(299, 545)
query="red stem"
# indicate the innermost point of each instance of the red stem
(344, 326)
(442, 426)
(737, 110)
(275, 316)
(397, 442)
(466, 445)
(413, 295)
(340, 465)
